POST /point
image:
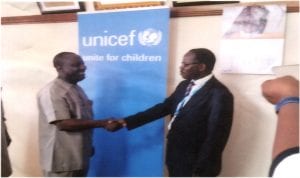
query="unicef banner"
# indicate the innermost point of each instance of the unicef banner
(126, 53)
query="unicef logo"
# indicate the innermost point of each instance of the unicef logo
(150, 37)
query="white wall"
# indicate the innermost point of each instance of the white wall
(26, 66)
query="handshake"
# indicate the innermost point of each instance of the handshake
(113, 125)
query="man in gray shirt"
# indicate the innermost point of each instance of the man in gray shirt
(66, 120)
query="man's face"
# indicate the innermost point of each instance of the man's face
(72, 69)
(190, 68)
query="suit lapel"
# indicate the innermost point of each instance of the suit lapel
(199, 97)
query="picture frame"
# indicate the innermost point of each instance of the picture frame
(98, 5)
(199, 3)
(60, 7)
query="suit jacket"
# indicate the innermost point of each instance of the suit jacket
(199, 132)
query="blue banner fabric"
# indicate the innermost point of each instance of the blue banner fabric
(126, 54)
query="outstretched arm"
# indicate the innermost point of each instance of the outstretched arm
(79, 124)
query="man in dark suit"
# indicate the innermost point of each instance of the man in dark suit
(201, 108)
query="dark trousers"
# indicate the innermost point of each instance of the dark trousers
(183, 171)
(76, 173)
(187, 171)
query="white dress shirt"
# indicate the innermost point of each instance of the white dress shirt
(198, 84)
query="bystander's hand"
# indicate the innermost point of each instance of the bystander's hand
(279, 88)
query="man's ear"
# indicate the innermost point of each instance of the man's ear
(58, 68)
(202, 67)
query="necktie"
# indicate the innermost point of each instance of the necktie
(189, 88)
(185, 98)
(181, 104)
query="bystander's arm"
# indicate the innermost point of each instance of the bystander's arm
(287, 134)
(283, 92)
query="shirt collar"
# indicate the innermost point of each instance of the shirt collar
(64, 83)
(202, 81)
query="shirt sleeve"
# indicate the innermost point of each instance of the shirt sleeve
(54, 107)
(286, 164)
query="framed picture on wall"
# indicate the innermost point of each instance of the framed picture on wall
(198, 3)
(60, 7)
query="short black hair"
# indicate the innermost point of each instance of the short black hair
(58, 59)
(204, 56)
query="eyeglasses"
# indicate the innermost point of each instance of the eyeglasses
(188, 64)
